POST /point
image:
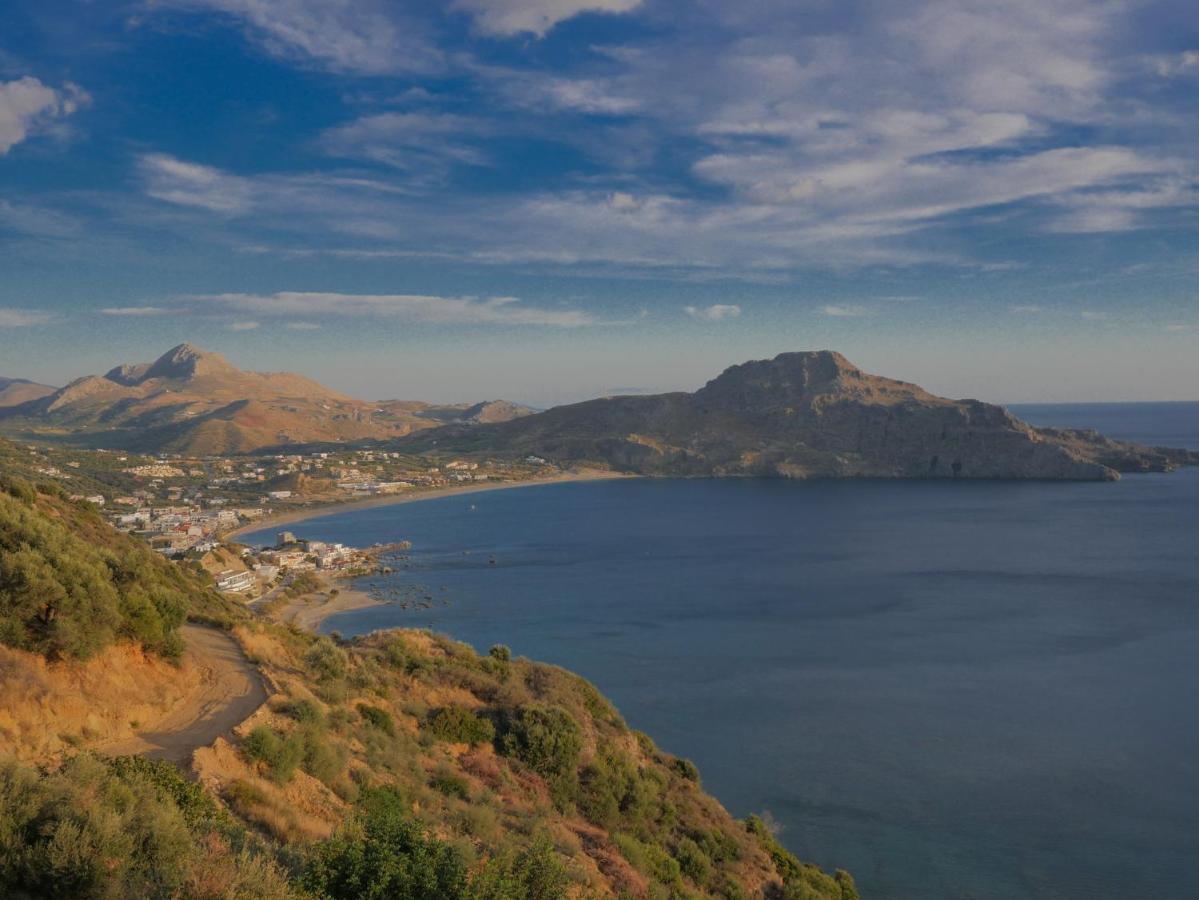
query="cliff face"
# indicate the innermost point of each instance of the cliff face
(810, 415)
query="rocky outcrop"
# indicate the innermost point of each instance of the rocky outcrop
(808, 415)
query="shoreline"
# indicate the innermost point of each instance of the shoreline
(292, 517)
(308, 615)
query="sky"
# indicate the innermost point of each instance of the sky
(547, 200)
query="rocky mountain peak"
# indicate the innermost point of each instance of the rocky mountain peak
(187, 361)
(788, 378)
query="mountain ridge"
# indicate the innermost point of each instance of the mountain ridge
(807, 414)
(192, 400)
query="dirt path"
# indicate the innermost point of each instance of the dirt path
(230, 690)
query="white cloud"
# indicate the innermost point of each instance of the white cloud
(302, 326)
(27, 105)
(1171, 65)
(717, 312)
(22, 318)
(509, 17)
(418, 141)
(838, 311)
(135, 311)
(406, 307)
(370, 37)
(1026, 309)
(242, 326)
(189, 184)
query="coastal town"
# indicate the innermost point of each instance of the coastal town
(192, 507)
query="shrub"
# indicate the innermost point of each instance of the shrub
(606, 788)
(536, 873)
(693, 861)
(377, 718)
(685, 768)
(280, 755)
(458, 725)
(500, 653)
(384, 854)
(303, 711)
(325, 660)
(451, 785)
(545, 738)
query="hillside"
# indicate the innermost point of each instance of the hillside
(193, 401)
(805, 415)
(15, 391)
(399, 764)
(71, 585)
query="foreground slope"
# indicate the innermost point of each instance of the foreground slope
(807, 415)
(399, 764)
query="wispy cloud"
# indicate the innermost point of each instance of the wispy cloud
(845, 312)
(190, 184)
(418, 308)
(510, 17)
(241, 326)
(23, 318)
(717, 312)
(370, 37)
(135, 311)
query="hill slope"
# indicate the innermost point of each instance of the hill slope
(806, 415)
(15, 391)
(193, 401)
(71, 585)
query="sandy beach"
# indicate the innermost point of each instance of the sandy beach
(310, 610)
(325, 509)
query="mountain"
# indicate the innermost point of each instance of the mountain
(15, 391)
(193, 401)
(806, 415)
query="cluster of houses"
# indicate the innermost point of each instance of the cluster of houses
(176, 530)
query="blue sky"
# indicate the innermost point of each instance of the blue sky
(550, 199)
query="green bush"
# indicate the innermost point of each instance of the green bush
(685, 768)
(500, 653)
(693, 861)
(128, 828)
(459, 725)
(536, 873)
(451, 785)
(326, 661)
(384, 854)
(281, 755)
(545, 738)
(377, 718)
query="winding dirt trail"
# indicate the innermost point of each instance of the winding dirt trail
(229, 692)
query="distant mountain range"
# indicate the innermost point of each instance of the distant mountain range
(193, 401)
(15, 391)
(805, 415)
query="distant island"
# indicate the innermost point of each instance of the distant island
(806, 415)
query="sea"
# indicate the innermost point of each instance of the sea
(950, 689)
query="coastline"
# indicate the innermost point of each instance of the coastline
(291, 517)
(308, 614)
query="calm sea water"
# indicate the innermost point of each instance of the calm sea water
(953, 690)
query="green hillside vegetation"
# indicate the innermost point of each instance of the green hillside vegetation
(466, 776)
(70, 585)
(401, 764)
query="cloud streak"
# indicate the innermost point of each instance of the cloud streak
(414, 308)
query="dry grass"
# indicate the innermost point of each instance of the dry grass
(47, 709)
